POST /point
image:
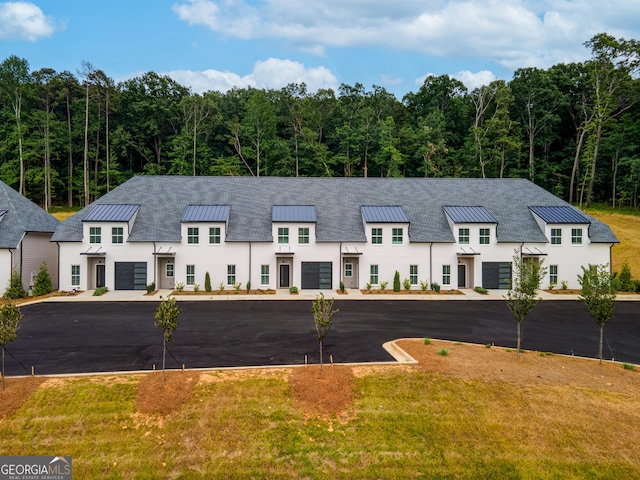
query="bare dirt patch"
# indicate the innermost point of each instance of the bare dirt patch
(159, 397)
(325, 396)
(467, 361)
(16, 392)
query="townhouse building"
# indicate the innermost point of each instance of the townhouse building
(314, 233)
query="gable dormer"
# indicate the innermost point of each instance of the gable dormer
(213, 220)
(112, 222)
(562, 224)
(471, 225)
(294, 224)
(388, 222)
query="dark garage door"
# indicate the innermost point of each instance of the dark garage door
(496, 274)
(316, 275)
(131, 275)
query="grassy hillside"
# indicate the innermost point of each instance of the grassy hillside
(626, 226)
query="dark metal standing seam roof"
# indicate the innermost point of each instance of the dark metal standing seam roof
(384, 214)
(206, 213)
(559, 214)
(294, 213)
(469, 214)
(111, 213)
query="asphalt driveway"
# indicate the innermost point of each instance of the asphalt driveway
(78, 337)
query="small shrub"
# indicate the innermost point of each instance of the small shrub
(196, 287)
(444, 352)
(396, 282)
(151, 287)
(207, 282)
(488, 345)
(179, 287)
(368, 287)
(221, 286)
(383, 285)
(248, 287)
(406, 283)
(15, 289)
(481, 290)
(427, 341)
(293, 289)
(42, 284)
(100, 291)
(564, 284)
(626, 284)
(424, 286)
(237, 286)
(435, 286)
(551, 286)
(628, 366)
(341, 286)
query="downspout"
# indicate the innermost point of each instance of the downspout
(431, 262)
(340, 265)
(58, 245)
(155, 261)
(250, 263)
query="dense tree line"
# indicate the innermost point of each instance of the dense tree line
(574, 129)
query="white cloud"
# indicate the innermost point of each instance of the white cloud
(271, 73)
(475, 80)
(512, 34)
(24, 21)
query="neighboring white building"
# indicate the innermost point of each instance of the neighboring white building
(25, 234)
(314, 233)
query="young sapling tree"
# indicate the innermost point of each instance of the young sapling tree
(522, 296)
(10, 316)
(323, 313)
(166, 318)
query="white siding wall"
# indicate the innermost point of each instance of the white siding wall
(5, 269)
(248, 258)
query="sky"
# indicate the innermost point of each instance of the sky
(395, 44)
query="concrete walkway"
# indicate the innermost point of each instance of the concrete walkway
(283, 294)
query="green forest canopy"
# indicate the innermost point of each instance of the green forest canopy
(573, 129)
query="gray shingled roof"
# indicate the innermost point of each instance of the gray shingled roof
(337, 202)
(21, 216)
(469, 214)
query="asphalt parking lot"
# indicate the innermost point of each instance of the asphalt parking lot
(83, 337)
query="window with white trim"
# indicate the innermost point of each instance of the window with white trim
(193, 235)
(283, 235)
(264, 274)
(446, 275)
(485, 236)
(413, 274)
(75, 275)
(576, 236)
(303, 235)
(191, 274)
(95, 234)
(463, 236)
(376, 236)
(214, 235)
(553, 274)
(396, 236)
(231, 274)
(556, 236)
(373, 277)
(117, 235)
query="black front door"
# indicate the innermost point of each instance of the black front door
(284, 276)
(462, 275)
(100, 275)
